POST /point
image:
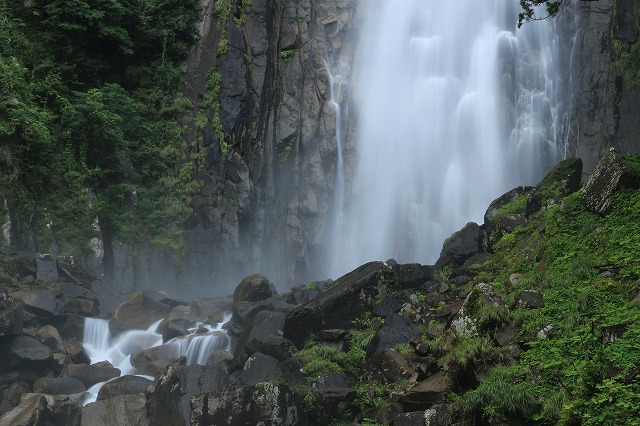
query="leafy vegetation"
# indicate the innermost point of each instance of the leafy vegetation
(90, 120)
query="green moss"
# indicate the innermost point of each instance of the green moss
(516, 206)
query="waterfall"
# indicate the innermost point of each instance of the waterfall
(101, 346)
(454, 107)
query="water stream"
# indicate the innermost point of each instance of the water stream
(455, 106)
(100, 345)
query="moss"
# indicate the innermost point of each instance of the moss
(550, 185)
(516, 206)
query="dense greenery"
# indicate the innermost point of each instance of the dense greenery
(90, 119)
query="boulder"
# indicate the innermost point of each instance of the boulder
(153, 361)
(460, 246)
(170, 401)
(31, 410)
(254, 288)
(529, 299)
(610, 175)
(46, 270)
(11, 320)
(413, 275)
(388, 306)
(349, 298)
(426, 393)
(492, 220)
(42, 303)
(258, 368)
(274, 345)
(59, 386)
(395, 330)
(76, 351)
(244, 312)
(19, 352)
(176, 324)
(48, 335)
(393, 365)
(265, 324)
(564, 179)
(483, 296)
(139, 311)
(123, 410)
(90, 374)
(125, 385)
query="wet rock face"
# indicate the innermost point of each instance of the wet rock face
(254, 288)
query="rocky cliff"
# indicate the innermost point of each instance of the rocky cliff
(259, 82)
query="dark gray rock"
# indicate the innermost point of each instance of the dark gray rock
(506, 198)
(274, 346)
(170, 401)
(530, 299)
(245, 312)
(393, 365)
(76, 351)
(388, 306)
(19, 352)
(254, 288)
(12, 320)
(47, 270)
(413, 275)
(48, 335)
(350, 297)
(123, 410)
(91, 374)
(460, 246)
(60, 386)
(333, 335)
(42, 303)
(176, 324)
(258, 368)
(395, 330)
(125, 385)
(426, 393)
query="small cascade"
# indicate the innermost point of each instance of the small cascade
(337, 92)
(101, 346)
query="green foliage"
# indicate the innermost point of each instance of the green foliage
(90, 119)
(517, 206)
(503, 394)
(531, 7)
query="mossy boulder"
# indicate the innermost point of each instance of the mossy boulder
(613, 173)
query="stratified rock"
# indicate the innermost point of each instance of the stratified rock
(123, 410)
(11, 320)
(59, 386)
(349, 298)
(426, 393)
(91, 374)
(125, 385)
(254, 288)
(139, 311)
(169, 403)
(31, 410)
(610, 175)
(460, 246)
(23, 352)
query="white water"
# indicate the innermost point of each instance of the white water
(455, 107)
(101, 346)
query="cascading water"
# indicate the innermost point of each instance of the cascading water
(455, 106)
(100, 346)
